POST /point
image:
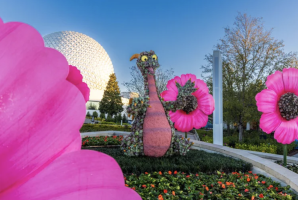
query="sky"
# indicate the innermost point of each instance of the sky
(181, 32)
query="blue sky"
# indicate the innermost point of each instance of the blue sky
(181, 32)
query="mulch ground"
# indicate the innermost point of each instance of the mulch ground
(293, 152)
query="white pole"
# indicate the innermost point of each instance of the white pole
(121, 122)
(217, 95)
(247, 126)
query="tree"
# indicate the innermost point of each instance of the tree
(88, 114)
(111, 102)
(110, 118)
(95, 114)
(249, 55)
(119, 117)
(136, 84)
(124, 119)
(92, 107)
(102, 116)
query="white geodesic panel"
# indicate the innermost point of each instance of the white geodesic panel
(86, 54)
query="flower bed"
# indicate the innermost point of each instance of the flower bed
(175, 185)
(102, 140)
(104, 127)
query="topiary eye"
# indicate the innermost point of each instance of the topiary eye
(154, 57)
(144, 58)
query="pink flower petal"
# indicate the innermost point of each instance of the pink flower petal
(176, 115)
(205, 102)
(169, 95)
(172, 86)
(75, 77)
(287, 132)
(290, 79)
(74, 179)
(39, 124)
(275, 83)
(186, 77)
(83, 87)
(184, 123)
(270, 121)
(200, 120)
(267, 101)
(202, 86)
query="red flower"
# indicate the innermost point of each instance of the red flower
(250, 172)
(261, 196)
(160, 173)
(175, 172)
(146, 172)
(170, 172)
(144, 186)
(187, 176)
(248, 179)
(263, 182)
(246, 190)
(165, 191)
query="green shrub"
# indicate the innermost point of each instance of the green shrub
(194, 161)
(266, 148)
(103, 127)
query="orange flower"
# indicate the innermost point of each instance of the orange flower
(170, 172)
(253, 198)
(144, 186)
(175, 172)
(263, 182)
(223, 186)
(146, 172)
(160, 173)
(261, 196)
(187, 176)
(228, 183)
(207, 188)
(152, 185)
(248, 179)
(165, 191)
(246, 190)
(276, 188)
(133, 188)
(197, 174)
(256, 177)
(271, 186)
(239, 195)
(219, 182)
(250, 172)
(126, 185)
(160, 197)
(173, 193)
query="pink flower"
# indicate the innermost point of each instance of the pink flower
(279, 105)
(197, 118)
(41, 114)
(75, 77)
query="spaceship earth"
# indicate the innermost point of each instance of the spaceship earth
(87, 55)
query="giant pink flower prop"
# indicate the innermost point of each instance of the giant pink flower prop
(40, 117)
(279, 104)
(205, 103)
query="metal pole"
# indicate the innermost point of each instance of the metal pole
(217, 95)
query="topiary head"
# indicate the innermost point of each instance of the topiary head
(147, 62)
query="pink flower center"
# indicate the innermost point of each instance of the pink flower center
(288, 106)
(191, 104)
